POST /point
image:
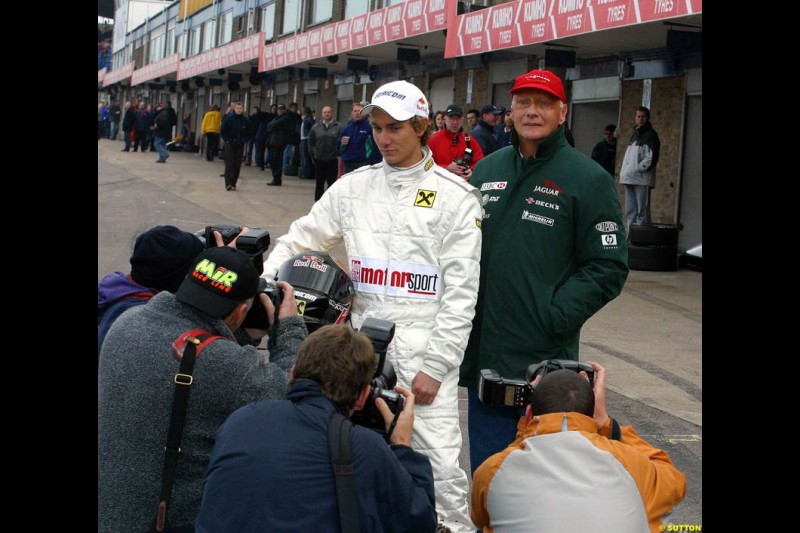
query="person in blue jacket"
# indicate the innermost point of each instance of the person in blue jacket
(161, 258)
(271, 469)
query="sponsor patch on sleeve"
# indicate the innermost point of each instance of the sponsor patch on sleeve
(609, 239)
(494, 185)
(478, 222)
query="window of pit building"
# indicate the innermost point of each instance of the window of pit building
(321, 11)
(208, 34)
(225, 27)
(194, 41)
(170, 38)
(354, 8)
(156, 44)
(291, 16)
(268, 21)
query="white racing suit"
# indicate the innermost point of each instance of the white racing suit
(413, 241)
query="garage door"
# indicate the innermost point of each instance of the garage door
(441, 94)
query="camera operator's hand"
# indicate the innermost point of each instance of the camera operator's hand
(600, 413)
(458, 170)
(401, 434)
(288, 305)
(232, 244)
(425, 388)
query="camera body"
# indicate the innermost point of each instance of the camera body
(381, 333)
(496, 390)
(256, 317)
(464, 160)
(253, 242)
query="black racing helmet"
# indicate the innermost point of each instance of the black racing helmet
(322, 288)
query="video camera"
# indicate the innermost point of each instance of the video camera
(497, 391)
(253, 242)
(381, 333)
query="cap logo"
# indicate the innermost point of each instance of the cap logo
(390, 94)
(537, 77)
(221, 278)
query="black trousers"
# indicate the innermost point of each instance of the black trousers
(212, 145)
(276, 162)
(324, 172)
(233, 163)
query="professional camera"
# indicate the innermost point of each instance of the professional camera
(322, 290)
(380, 332)
(257, 315)
(464, 160)
(498, 391)
(253, 242)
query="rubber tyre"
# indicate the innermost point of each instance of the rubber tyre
(654, 234)
(653, 258)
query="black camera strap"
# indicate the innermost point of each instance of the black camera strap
(187, 347)
(339, 442)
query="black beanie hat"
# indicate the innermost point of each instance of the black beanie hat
(162, 256)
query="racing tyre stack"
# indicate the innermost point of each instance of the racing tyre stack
(653, 247)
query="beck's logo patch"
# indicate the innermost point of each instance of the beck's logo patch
(425, 198)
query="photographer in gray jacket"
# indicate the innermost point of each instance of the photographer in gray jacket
(135, 384)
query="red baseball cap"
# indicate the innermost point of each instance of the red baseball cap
(544, 80)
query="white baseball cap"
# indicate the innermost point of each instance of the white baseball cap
(400, 99)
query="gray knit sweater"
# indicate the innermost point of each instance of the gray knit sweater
(135, 391)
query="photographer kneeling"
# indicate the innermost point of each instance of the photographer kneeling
(572, 468)
(138, 376)
(271, 468)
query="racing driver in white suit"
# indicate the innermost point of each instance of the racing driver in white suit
(412, 234)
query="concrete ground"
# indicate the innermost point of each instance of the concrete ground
(649, 338)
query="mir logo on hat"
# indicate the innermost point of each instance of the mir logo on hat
(220, 278)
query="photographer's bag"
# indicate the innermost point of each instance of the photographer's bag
(339, 442)
(186, 347)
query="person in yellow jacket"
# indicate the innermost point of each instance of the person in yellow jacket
(212, 122)
(572, 468)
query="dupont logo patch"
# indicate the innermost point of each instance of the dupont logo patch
(606, 226)
(494, 186)
(609, 239)
(533, 217)
(425, 198)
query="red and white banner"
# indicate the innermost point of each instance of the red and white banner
(267, 60)
(315, 43)
(358, 32)
(342, 36)
(225, 56)
(375, 31)
(291, 50)
(302, 47)
(536, 21)
(165, 66)
(393, 26)
(436, 13)
(416, 23)
(119, 74)
(280, 54)
(328, 39)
